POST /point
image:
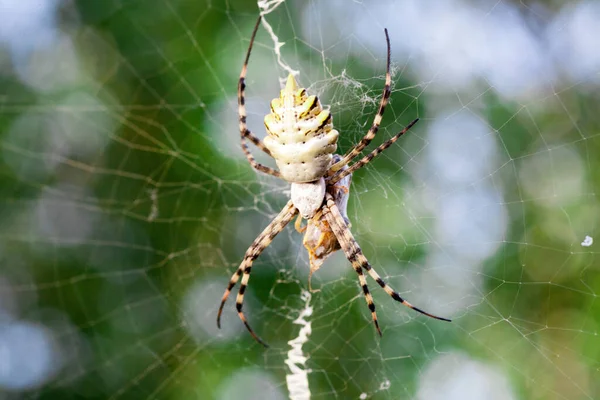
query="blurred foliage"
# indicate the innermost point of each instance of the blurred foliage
(158, 68)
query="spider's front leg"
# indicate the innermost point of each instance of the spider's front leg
(257, 247)
(337, 222)
(358, 260)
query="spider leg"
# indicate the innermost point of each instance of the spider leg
(340, 229)
(298, 225)
(355, 151)
(358, 260)
(257, 247)
(245, 133)
(367, 159)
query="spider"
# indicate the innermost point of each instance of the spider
(301, 139)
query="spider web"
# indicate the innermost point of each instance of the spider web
(127, 203)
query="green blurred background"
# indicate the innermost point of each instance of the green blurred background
(127, 203)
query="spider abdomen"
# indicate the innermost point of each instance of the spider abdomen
(300, 136)
(302, 162)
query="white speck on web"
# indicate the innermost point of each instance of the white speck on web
(385, 385)
(588, 241)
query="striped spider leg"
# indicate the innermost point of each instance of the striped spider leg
(387, 91)
(245, 133)
(329, 231)
(260, 243)
(359, 262)
(346, 171)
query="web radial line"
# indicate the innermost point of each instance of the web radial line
(257, 247)
(367, 159)
(358, 148)
(346, 240)
(356, 257)
(245, 133)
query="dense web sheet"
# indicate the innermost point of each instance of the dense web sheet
(127, 202)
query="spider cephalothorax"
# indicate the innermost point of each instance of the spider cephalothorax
(319, 240)
(301, 139)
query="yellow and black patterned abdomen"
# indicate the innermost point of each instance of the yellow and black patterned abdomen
(300, 136)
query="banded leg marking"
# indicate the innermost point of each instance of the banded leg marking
(358, 148)
(338, 225)
(259, 244)
(355, 255)
(245, 133)
(367, 159)
(363, 283)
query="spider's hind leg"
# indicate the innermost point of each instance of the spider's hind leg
(367, 159)
(245, 133)
(370, 135)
